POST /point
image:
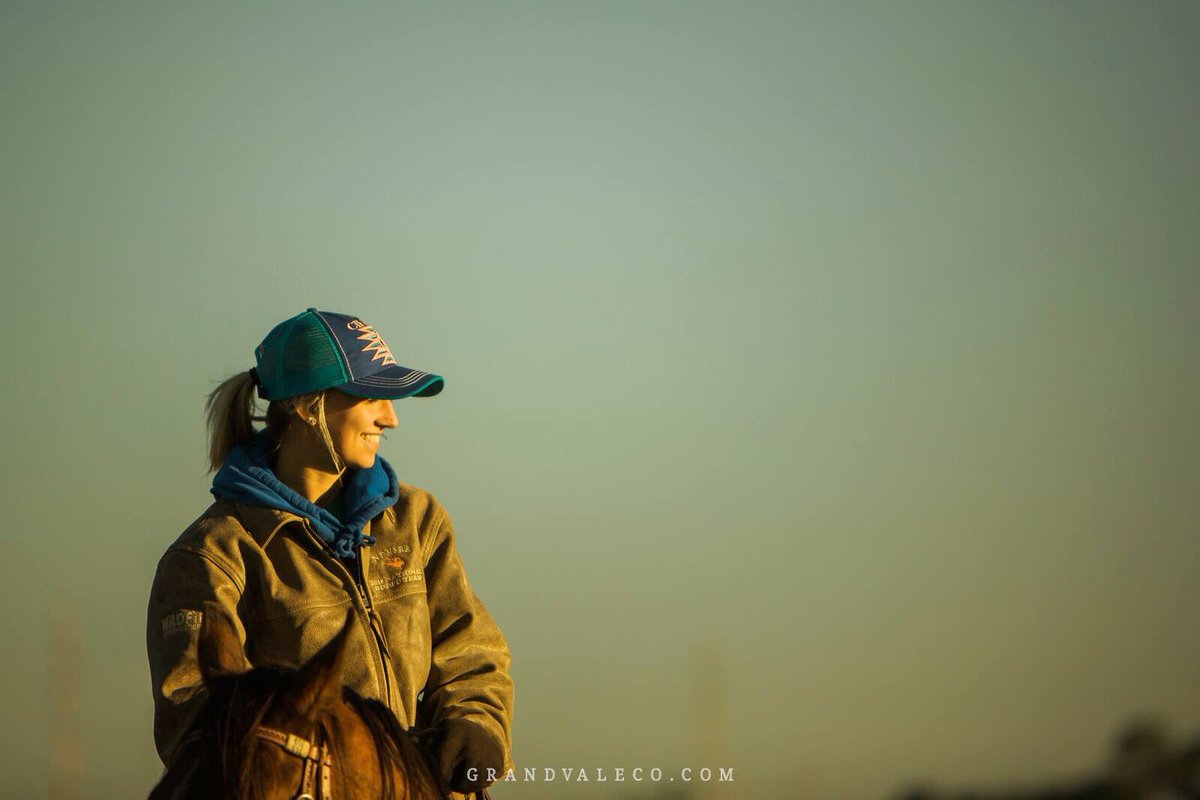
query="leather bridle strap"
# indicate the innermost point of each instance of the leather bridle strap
(315, 756)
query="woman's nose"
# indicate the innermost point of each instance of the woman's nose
(389, 418)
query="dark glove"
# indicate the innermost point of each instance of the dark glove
(465, 745)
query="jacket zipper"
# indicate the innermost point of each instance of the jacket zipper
(360, 582)
(376, 626)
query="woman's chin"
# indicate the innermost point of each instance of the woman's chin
(366, 461)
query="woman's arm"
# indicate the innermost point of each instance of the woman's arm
(184, 581)
(469, 672)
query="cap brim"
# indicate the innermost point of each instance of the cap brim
(393, 383)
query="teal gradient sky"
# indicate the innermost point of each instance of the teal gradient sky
(852, 343)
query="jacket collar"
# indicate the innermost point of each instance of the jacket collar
(263, 523)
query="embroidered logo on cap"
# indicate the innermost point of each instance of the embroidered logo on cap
(374, 342)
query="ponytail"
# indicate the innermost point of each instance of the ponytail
(230, 414)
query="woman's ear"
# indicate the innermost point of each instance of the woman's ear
(307, 409)
(299, 412)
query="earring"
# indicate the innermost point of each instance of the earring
(312, 421)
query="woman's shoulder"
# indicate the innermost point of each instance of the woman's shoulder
(218, 530)
(417, 507)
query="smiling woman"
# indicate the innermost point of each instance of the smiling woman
(309, 523)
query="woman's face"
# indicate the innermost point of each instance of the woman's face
(355, 424)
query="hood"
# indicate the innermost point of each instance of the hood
(247, 477)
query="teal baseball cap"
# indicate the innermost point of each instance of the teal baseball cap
(318, 350)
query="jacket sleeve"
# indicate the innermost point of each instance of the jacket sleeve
(184, 581)
(469, 669)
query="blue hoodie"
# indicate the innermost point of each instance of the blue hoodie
(246, 477)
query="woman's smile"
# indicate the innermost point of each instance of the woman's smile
(356, 425)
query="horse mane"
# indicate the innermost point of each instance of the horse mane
(237, 704)
(395, 746)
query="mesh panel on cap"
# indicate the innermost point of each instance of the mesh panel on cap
(267, 356)
(310, 359)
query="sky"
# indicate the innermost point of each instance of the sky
(820, 377)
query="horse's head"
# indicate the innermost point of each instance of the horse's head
(267, 733)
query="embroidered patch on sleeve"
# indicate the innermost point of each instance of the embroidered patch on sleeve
(181, 621)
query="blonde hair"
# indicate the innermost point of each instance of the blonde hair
(229, 413)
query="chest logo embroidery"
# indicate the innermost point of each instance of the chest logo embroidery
(394, 557)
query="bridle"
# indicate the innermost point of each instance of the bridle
(316, 759)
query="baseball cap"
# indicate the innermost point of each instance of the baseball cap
(318, 350)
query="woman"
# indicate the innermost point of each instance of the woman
(309, 521)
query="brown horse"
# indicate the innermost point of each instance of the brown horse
(269, 734)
